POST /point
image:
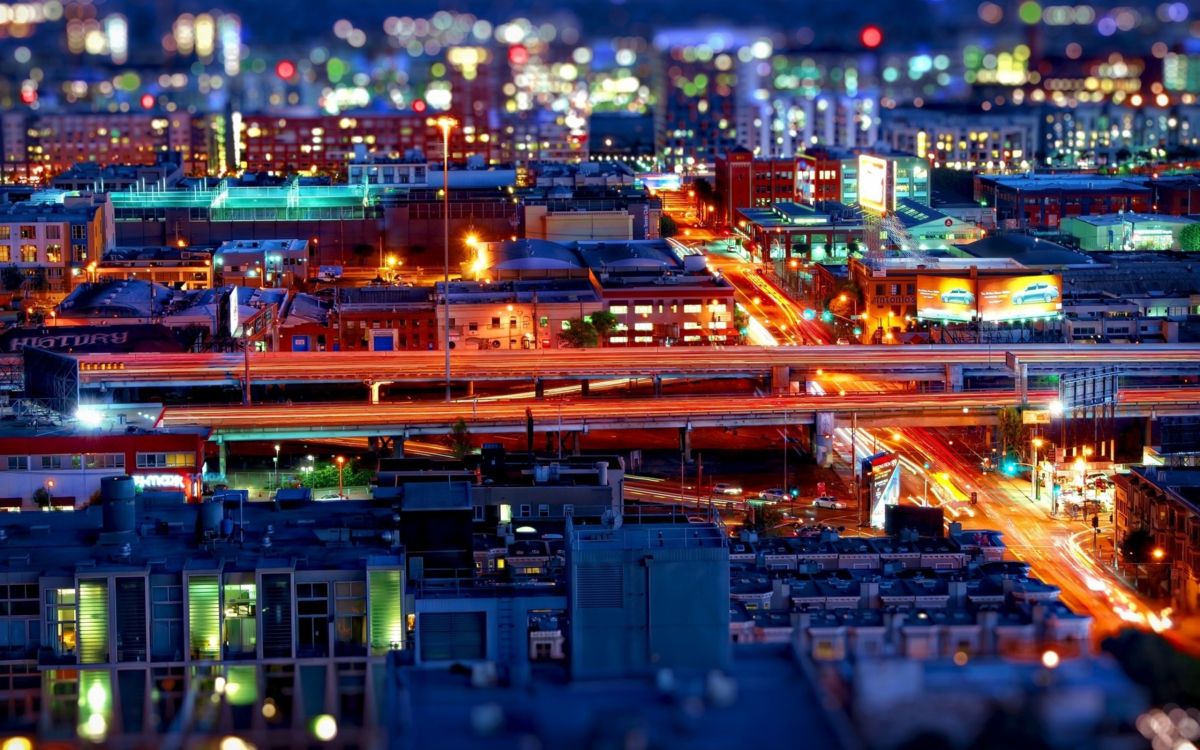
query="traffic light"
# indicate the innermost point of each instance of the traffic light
(827, 316)
(928, 466)
(809, 314)
(857, 331)
(1009, 468)
(795, 492)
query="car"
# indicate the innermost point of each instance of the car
(828, 501)
(843, 342)
(958, 297)
(773, 495)
(697, 519)
(1040, 292)
(726, 488)
(332, 496)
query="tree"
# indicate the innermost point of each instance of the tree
(1136, 546)
(325, 474)
(41, 497)
(1012, 431)
(460, 438)
(12, 278)
(667, 226)
(38, 281)
(1189, 238)
(852, 248)
(580, 334)
(605, 323)
(741, 321)
(362, 251)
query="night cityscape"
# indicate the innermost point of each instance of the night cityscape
(627, 375)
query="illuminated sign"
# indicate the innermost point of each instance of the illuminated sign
(159, 481)
(872, 184)
(1019, 297)
(946, 298)
(659, 181)
(881, 477)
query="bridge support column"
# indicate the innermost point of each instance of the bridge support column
(374, 388)
(781, 379)
(685, 443)
(470, 389)
(658, 385)
(397, 446)
(576, 442)
(539, 388)
(954, 378)
(822, 437)
(222, 456)
(1021, 375)
(584, 388)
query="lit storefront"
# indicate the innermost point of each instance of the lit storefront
(64, 471)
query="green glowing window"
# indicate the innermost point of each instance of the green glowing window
(204, 617)
(387, 610)
(241, 623)
(93, 621)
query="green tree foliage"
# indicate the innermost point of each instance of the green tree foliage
(12, 278)
(325, 474)
(741, 319)
(41, 496)
(460, 438)
(604, 322)
(580, 334)
(1012, 431)
(1136, 546)
(1169, 675)
(667, 226)
(1189, 238)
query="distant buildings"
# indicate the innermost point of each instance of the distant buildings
(1043, 201)
(54, 243)
(1126, 231)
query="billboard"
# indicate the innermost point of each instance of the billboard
(872, 184)
(881, 478)
(1019, 297)
(946, 298)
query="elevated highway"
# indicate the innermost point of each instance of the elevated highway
(949, 363)
(335, 420)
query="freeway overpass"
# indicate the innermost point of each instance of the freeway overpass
(780, 364)
(333, 420)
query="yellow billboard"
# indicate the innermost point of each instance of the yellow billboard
(873, 184)
(1020, 297)
(946, 298)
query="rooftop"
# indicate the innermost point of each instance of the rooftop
(1107, 220)
(1045, 183)
(1026, 250)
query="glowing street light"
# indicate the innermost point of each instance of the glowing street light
(446, 124)
(1158, 554)
(341, 464)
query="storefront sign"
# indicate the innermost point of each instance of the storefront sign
(159, 481)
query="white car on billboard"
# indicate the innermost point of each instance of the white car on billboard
(1037, 293)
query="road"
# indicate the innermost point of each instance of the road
(782, 317)
(1055, 548)
(296, 421)
(898, 362)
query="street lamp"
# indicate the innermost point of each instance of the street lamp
(1037, 442)
(276, 460)
(341, 464)
(446, 124)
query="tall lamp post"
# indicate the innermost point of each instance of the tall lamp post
(446, 124)
(341, 464)
(276, 460)
(1037, 442)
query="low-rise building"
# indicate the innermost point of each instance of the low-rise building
(1126, 231)
(53, 238)
(1163, 506)
(181, 268)
(1044, 201)
(264, 263)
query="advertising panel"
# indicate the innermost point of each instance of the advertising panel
(945, 298)
(881, 478)
(1019, 297)
(872, 184)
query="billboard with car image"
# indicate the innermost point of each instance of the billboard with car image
(1020, 297)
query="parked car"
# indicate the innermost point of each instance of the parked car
(726, 488)
(958, 297)
(828, 501)
(1039, 292)
(773, 495)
